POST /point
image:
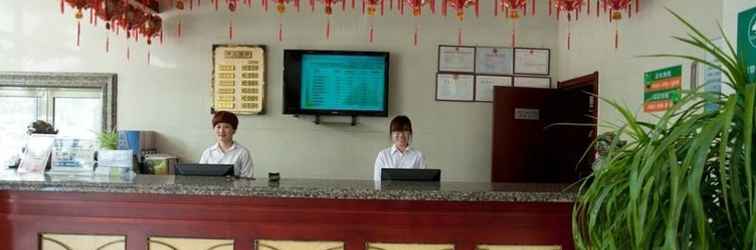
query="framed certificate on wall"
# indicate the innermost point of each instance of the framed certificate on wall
(458, 59)
(532, 61)
(484, 86)
(455, 87)
(531, 82)
(238, 83)
(494, 60)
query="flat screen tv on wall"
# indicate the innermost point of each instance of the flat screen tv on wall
(350, 83)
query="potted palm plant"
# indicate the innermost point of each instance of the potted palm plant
(683, 182)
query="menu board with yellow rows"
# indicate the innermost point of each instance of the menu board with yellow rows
(238, 78)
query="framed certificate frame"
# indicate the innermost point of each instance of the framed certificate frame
(484, 86)
(531, 82)
(494, 60)
(532, 61)
(456, 59)
(238, 83)
(455, 87)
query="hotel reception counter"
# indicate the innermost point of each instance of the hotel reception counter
(216, 213)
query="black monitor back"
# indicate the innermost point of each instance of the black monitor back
(410, 174)
(199, 169)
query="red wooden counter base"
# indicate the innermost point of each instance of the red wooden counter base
(24, 215)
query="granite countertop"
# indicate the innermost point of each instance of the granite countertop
(289, 188)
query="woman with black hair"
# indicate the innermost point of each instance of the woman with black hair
(400, 154)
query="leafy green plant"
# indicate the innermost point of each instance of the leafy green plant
(108, 140)
(684, 182)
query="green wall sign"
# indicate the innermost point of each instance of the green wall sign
(747, 40)
(662, 88)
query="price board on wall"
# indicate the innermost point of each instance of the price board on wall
(238, 83)
(662, 88)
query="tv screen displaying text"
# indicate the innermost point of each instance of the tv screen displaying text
(343, 82)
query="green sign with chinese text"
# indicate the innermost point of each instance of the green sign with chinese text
(662, 88)
(747, 41)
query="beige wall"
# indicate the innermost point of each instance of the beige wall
(171, 96)
(648, 32)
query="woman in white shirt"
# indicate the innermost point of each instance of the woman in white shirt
(226, 150)
(399, 155)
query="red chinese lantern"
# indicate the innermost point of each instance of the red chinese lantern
(570, 8)
(79, 5)
(151, 28)
(615, 9)
(281, 9)
(512, 10)
(371, 7)
(459, 6)
(328, 9)
(232, 5)
(417, 10)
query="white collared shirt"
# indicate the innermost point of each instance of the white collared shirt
(393, 158)
(237, 155)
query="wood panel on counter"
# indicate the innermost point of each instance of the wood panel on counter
(24, 215)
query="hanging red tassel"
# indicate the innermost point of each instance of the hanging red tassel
(312, 5)
(391, 4)
(95, 21)
(616, 38)
(91, 16)
(629, 12)
(191, 4)
(414, 36)
(178, 30)
(62, 7)
(496, 7)
(514, 34)
(296, 5)
(559, 13)
(328, 29)
(433, 6)
(637, 6)
(364, 2)
(477, 8)
(370, 34)
(343, 5)
(230, 30)
(550, 7)
(588, 6)
(569, 37)
(216, 4)
(382, 4)
(533, 8)
(459, 36)
(161, 36)
(401, 7)
(265, 4)
(199, 3)
(78, 33)
(444, 7)
(353, 4)
(598, 11)
(280, 32)
(577, 15)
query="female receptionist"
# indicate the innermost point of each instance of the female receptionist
(226, 150)
(399, 155)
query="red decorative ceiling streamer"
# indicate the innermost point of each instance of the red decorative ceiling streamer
(512, 9)
(570, 8)
(615, 9)
(417, 10)
(280, 10)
